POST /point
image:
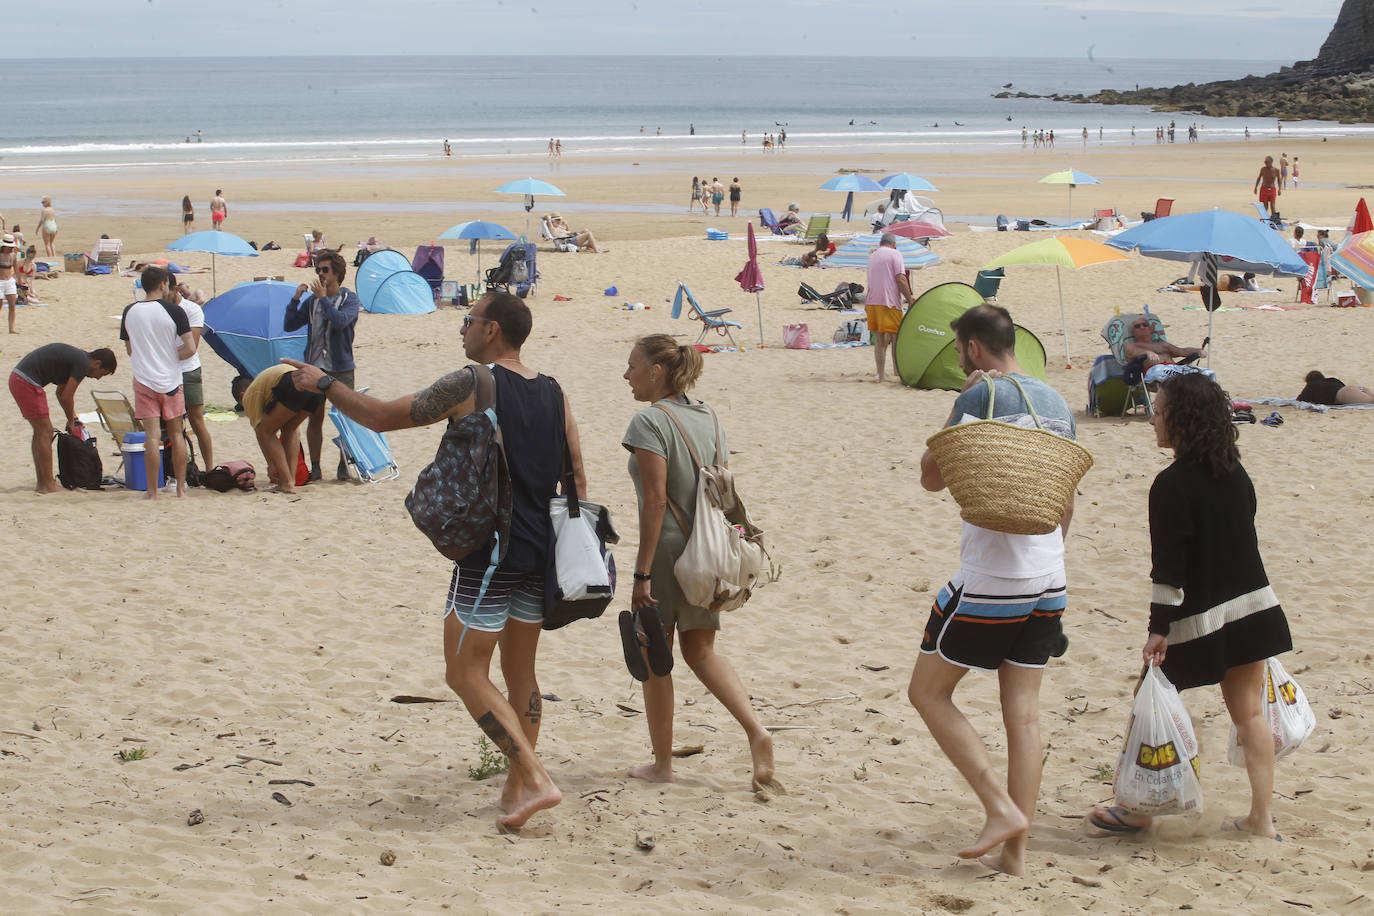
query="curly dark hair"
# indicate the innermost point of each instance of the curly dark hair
(1198, 420)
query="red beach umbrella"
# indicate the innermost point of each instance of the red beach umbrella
(918, 230)
(750, 278)
(1360, 222)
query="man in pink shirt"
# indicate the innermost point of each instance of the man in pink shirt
(888, 292)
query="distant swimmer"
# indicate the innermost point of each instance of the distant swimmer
(1006, 85)
(958, 124)
(936, 124)
(1008, 117)
(851, 124)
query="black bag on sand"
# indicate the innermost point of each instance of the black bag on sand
(78, 462)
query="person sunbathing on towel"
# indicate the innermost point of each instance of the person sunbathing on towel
(1327, 389)
(583, 237)
(1141, 343)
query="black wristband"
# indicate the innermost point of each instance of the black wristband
(642, 577)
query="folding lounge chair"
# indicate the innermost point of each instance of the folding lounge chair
(367, 452)
(516, 272)
(1163, 207)
(1106, 218)
(560, 243)
(814, 227)
(711, 321)
(117, 417)
(989, 282)
(1276, 220)
(1113, 389)
(844, 297)
(106, 252)
(769, 221)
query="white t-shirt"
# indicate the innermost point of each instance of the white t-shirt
(153, 330)
(195, 317)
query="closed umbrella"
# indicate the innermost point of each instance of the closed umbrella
(1072, 178)
(1061, 251)
(750, 278)
(1360, 221)
(215, 242)
(855, 252)
(529, 187)
(1214, 239)
(476, 230)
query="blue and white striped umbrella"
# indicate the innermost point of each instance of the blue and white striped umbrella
(855, 252)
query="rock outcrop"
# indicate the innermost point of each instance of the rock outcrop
(1336, 86)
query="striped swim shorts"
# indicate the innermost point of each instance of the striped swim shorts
(980, 621)
(509, 595)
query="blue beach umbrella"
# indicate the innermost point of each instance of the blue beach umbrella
(906, 181)
(529, 187)
(1218, 239)
(851, 183)
(215, 242)
(855, 252)
(476, 230)
(244, 326)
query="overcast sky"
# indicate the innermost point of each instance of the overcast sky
(1247, 29)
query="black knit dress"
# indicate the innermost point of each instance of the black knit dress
(1211, 597)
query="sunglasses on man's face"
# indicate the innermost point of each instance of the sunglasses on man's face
(321, 270)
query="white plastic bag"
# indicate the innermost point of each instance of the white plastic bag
(1157, 772)
(1287, 711)
(582, 570)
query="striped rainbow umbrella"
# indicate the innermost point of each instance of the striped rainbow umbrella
(1355, 259)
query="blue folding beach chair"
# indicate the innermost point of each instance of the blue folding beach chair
(710, 321)
(367, 452)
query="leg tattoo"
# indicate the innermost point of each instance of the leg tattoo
(498, 735)
(536, 710)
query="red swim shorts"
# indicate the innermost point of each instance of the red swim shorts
(32, 400)
(217, 217)
(149, 403)
(1268, 195)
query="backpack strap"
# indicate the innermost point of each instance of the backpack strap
(678, 515)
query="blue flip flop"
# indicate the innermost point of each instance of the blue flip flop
(1117, 824)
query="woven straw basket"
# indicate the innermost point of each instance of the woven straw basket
(1009, 478)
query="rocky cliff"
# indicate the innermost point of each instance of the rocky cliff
(1336, 86)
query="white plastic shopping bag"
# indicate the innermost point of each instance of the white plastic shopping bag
(1157, 772)
(582, 570)
(796, 336)
(1287, 711)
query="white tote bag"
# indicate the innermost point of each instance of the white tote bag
(1287, 711)
(582, 571)
(1157, 772)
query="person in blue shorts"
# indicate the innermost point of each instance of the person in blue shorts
(1000, 612)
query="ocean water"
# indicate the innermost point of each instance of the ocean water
(141, 113)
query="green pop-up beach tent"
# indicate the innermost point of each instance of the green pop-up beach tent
(925, 351)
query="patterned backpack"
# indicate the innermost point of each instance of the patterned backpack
(462, 501)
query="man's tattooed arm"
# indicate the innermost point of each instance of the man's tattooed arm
(432, 403)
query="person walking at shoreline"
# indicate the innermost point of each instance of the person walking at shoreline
(47, 228)
(734, 196)
(1267, 186)
(696, 195)
(219, 210)
(1283, 172)
(1001, 611)
(188, 215)
(717, 194)
(537, 426)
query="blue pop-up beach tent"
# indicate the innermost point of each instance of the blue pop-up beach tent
(387, 284)
(244, 326)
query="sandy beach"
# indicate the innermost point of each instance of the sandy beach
(247, 638)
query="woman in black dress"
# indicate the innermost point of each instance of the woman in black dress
(1213, 617)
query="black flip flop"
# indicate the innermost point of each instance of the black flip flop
(629, 641)
(658, 650)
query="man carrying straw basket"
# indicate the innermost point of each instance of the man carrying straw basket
(1001, 611)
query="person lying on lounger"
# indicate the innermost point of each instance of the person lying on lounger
(583, 237)
(1141, 343)
(1327, 389)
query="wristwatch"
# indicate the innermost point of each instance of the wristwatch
(324, 382)
(642, 577)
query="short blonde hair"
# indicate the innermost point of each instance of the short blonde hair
(681, 364)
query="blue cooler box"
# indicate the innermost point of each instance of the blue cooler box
(135, 473)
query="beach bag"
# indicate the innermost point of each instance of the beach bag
(582, 582)
(462, 499)
(725, 559)
(224, 477)
(796, 337)
(852, 330)
(303, 259)
(1009, 478)
(1285, 708)
(1157, 772)
(78, 462)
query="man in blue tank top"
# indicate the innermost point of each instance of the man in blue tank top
(510, 611)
